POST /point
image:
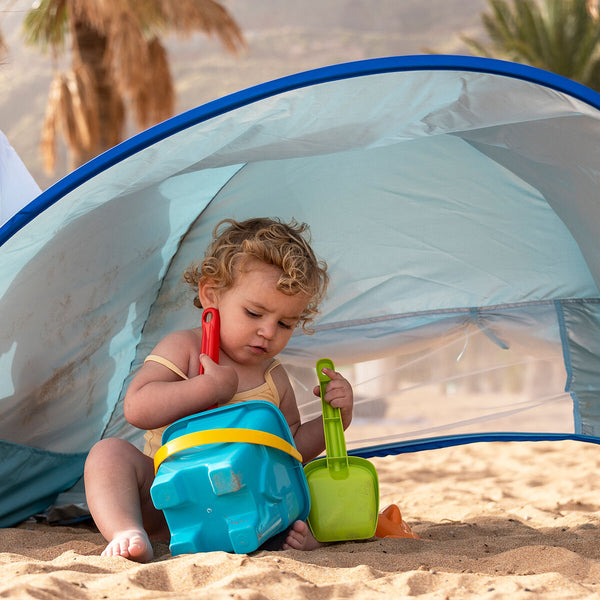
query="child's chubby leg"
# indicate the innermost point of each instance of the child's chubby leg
(300, 537)
(118, 478)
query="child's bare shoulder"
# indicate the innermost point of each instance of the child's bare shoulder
(281, 379)
(184, 339)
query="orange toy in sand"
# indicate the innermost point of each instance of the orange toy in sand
(391, 525)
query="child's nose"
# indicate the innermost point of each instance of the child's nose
(267, 330)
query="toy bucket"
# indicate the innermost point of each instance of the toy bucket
(229, 479)
(344, 489)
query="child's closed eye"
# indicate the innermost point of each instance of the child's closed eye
(257, 315)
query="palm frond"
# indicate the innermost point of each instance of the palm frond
(50, 125)
(46, 25)
(500, 23)
(85, 105)
(586, 50)
(127, 53)
(562, 36)
(72, 110)
(475, 46)
(207, 16)
(3, 47)
(553, 15)
(530, 30)
(152, 107)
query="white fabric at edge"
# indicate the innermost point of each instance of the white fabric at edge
(17, 186)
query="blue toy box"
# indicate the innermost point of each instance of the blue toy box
(229, 479)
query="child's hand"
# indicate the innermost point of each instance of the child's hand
(225, 379)
(338, 394)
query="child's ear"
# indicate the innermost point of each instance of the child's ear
(207, 293)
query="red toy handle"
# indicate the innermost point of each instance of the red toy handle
(211, 325)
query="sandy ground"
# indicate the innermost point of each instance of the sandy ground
(496, 520)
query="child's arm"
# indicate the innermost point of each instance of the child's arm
(156, 396)
(309, 437)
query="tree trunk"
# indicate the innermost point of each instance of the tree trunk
(90, 48)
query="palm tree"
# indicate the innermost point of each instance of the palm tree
(117, 64)
(562, 36)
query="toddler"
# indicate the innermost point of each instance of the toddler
(263, 277)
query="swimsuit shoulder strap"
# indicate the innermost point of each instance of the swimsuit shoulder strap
(166, 363)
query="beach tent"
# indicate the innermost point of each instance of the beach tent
(455, 199)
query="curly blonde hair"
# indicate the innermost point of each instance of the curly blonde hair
(273, 242)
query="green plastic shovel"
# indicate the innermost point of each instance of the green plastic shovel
(344, 490)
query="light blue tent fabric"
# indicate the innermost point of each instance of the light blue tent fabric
(446, 193)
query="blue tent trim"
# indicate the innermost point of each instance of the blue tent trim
(278, 86)
(463, 439)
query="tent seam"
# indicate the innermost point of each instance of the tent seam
(447, 311)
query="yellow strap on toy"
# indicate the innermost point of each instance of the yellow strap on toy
(219, 436)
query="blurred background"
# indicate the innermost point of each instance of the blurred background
(280, 37)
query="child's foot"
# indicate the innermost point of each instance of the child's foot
(132, 544)
(300, 537)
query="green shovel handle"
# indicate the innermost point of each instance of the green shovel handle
(335, 442)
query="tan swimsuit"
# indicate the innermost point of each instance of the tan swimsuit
(266, 391)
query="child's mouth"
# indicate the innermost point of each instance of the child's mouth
(258, 349)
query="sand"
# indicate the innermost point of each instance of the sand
(496, 520)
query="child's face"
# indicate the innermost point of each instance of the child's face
(257, 320)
